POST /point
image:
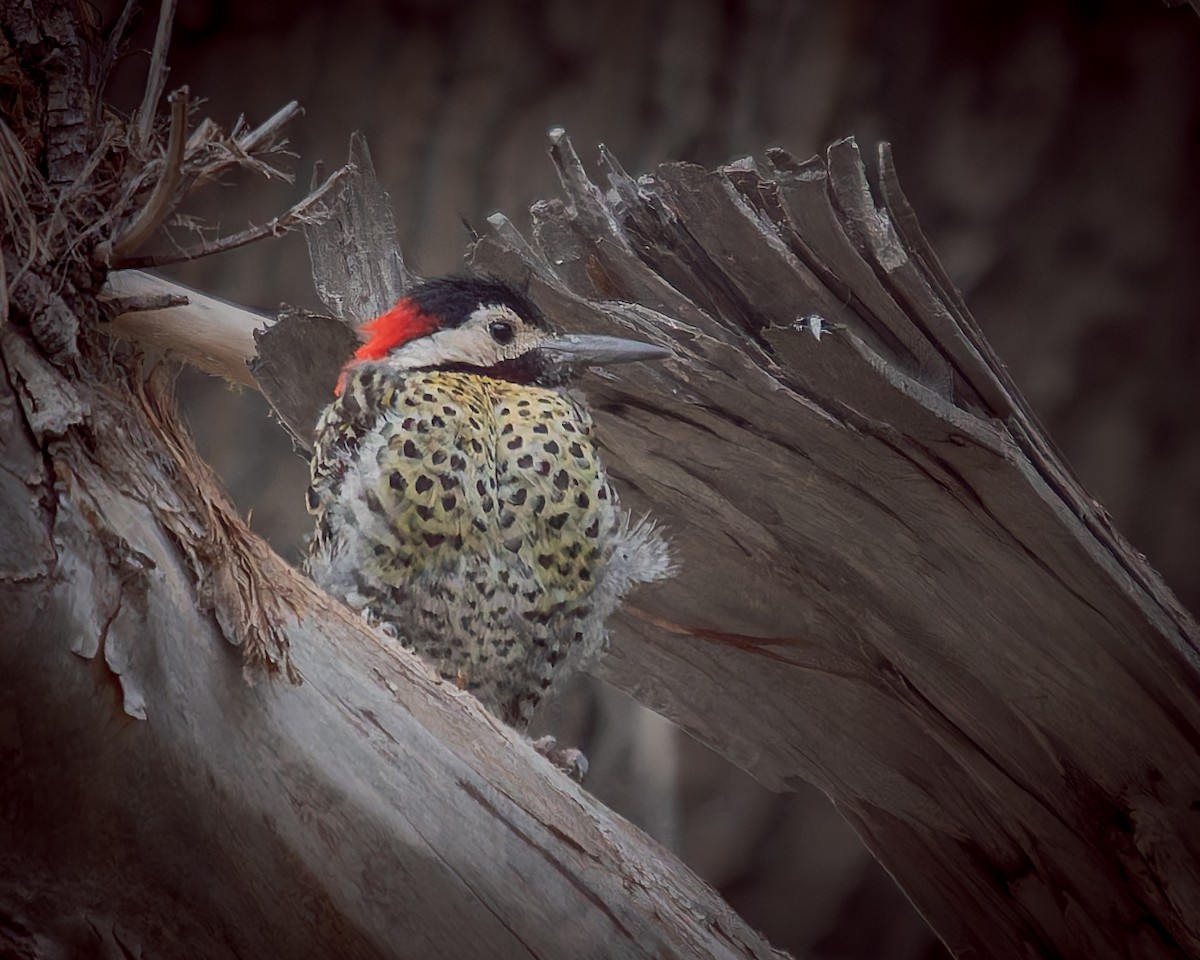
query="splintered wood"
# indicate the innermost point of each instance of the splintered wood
(890, 585)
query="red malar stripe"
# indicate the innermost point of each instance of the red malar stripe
(404, 322)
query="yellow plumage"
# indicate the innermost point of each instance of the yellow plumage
(472, 502)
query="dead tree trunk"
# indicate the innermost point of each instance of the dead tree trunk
(891, 587)
(152, 802)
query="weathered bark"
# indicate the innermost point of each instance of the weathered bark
(154, 803)
(931, 620)
(369, 811)
(891, 586)
(949, 637)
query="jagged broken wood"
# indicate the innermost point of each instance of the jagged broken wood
(891, 585)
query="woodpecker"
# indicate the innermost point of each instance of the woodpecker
(459, 498)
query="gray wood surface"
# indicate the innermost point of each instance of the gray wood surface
(891, 585)
(155, 804)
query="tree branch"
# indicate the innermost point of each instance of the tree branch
(440, 832)
(949, 616)
(302, 213)
(211, 334)
(265, 138)
(156, 75)
(154, 804)
(162, 198)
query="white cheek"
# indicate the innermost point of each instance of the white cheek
(462, 345)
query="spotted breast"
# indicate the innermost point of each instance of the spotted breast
(473, 514)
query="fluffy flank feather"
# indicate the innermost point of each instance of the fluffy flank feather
(641, 556)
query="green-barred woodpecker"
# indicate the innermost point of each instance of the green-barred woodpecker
(458, 494)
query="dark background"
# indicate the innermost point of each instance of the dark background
(1050, 149)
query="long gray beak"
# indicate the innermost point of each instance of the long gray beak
(582, 349)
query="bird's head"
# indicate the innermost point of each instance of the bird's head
(485, 326)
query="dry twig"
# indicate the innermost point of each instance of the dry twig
(211, 152)
(161, 202)
(156, 79)
(302, 213)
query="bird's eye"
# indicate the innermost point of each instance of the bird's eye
(501, 331)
